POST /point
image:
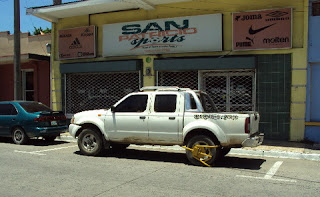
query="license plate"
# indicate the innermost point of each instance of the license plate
(54, 123)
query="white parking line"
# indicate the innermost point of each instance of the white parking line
(270, 174)
(39, 152)
(273, 170)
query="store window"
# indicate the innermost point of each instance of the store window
(28, 85)
(316, 8)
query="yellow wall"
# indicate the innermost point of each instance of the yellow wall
(201, 7)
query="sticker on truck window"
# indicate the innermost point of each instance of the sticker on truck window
(217, 117)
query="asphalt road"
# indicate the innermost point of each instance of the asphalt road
(58, 169)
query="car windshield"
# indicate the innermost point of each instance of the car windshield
(33, 107)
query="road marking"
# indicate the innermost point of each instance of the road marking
(39, 152)
(273, 170)
(33, 153)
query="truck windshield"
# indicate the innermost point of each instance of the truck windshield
(207, 103)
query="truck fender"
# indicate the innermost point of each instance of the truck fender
(93, 121)
(207, 125)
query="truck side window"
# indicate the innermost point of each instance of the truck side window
(135, 103)
(165, 103)
(190, 102)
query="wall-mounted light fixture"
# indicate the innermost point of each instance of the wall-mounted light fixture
(48, 46)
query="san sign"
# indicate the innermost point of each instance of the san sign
(265, 29)
(171, 35)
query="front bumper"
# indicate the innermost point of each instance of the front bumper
(73, 129)
(253, 141)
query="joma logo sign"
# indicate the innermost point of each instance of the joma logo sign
(154, 26)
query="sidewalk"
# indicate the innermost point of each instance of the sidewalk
(269, 148)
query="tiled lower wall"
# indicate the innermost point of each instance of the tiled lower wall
(274, 95)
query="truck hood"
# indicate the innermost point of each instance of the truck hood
(91, 113)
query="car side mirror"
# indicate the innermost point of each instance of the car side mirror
(113, 109)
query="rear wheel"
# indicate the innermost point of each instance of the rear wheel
(202, 140)
(90, 142)
(223, 151)
(19, 136)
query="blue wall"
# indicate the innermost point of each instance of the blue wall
(313, 85)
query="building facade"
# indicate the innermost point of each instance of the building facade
(248, 56)
(35, 67)
(313, 88)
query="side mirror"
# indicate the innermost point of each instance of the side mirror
(113, 109)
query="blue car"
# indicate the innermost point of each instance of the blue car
(23, 120)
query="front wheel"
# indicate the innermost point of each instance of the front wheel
(19, 136)
(201, 140)
(90, 142)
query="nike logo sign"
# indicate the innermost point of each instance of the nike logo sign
(254, 31)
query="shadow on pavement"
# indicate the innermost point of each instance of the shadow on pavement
(174, 157)
(34, 142)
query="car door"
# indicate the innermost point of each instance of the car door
(8, 115)
(165, 118)
(128, 121)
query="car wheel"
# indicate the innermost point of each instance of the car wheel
(90, 142)
(223, 151)
(19, 136)
(50, 138)
(201, 140)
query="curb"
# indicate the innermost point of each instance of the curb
(234, 151)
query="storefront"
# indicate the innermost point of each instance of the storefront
(247, 57)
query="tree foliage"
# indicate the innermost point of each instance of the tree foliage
(39, 30)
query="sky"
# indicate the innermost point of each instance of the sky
(27, 22)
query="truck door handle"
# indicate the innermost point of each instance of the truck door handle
(142, 117)
(172, 118)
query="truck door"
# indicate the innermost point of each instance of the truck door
(165, 118)
(128, 122)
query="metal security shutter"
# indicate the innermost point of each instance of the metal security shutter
(185, 79)
(230, 90)
(87, 91)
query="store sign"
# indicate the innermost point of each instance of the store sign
(171, 35)
(266, 29)
(77, 43)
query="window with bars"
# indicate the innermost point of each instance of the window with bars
(87, 91)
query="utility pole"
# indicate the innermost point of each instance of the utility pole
(17, 53)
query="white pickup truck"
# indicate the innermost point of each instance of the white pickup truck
(166, 116)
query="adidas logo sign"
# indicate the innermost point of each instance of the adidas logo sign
(75, 44)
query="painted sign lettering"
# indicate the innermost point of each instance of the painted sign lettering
(266, 29)
(182, 34)
(77, 43)
(217, 117)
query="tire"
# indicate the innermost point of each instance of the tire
(19, 136)
(90, 142)
(50, 138)
(202, 140)
(223, 151)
